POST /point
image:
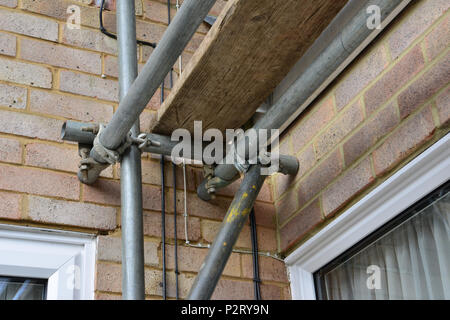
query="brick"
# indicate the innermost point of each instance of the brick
(438, 40)
(367, 136)
(233, 290)
(151, 174)
(147, 119)
(13, 97)
(71, 213)
(303, 133)
(70, 107)
(443, 107)
(347, 187)
(157, 11)
(190, 260)
(300, 225)
(30, 125)
(265, 214)
(360, 76)
(287, 293)
(306, 160)
(10, 205)
(25, 73)
(109, 277)
(110, 249)
(425, 87)
(90, 86)
(214, 209)
(270, 292)
(107, 296)
(338, 130)
(60, 56)
(394, 79)
(152, 226)
(28, 25)
(39, 182)
(10, 150)
(287, 206)
(8, 44)
(230, 190)
(404, 141)
(51, 157)
(8, 3)
(319, 178)
(210, 229)
(102, 191)
(415, 24)
(269, 268)
(151, 198)
(89, 39)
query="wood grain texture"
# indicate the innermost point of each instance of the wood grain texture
(249, 50)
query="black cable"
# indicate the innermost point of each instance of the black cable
(111, 35)
(254, 236)
(174, 167)
(163, 228)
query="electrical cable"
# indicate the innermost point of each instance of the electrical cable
(163, 228)
(254, 236)
(174, 167)
(112, 35)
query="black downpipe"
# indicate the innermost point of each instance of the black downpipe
(163, 228)
(175, 226)
(256, 279)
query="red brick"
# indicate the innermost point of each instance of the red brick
(319, 178)
(360, 76)
(10, 150)
(309, 127)
(10, 205)
(438, 40)
(107, 296)
(443, 107)
(383, 123)
(350, 119)
(190, 260)
(30, 126)
(265, 214)
(146, 120)
(306, 160)
(51, 157)
(233, 290)
(394, 79)
(425, 87)
(422, 16)
(156, 11)
(110, 249)
(269, 268)
(300, 225)
(152, 226)
(287, 293)
(214, 209)
(70, 107)
(60, 56)
(28, 25)
(8, 3)
(404, 141)
(89, 39)
(89, 85)
(151, 198)
(287, 206)
(8, 44)
(25, 73)
(102, 191)
(270, 292)
(39, 182)
(13, 97)
(71, 213)
(348, 186)
(211, 228)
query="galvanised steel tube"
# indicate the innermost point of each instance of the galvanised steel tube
(234, 221)
(133, 286)
(169, 48)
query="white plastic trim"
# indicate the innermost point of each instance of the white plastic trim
(66, 259)
(415, 180)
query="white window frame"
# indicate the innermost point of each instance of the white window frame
(414, 181)
(66, 259)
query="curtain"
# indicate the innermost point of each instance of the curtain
(412, 261)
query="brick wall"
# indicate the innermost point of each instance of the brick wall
(386, 108)
(50, 74)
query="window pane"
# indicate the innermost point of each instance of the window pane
(22, 289)
(412, 261)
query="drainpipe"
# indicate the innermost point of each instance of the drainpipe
(133, 286)
(339, 44)
(221, 249)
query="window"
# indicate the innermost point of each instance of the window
(384, 209)
(408, 258)
(41, 264)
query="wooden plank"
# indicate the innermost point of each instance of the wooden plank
(248, 51)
